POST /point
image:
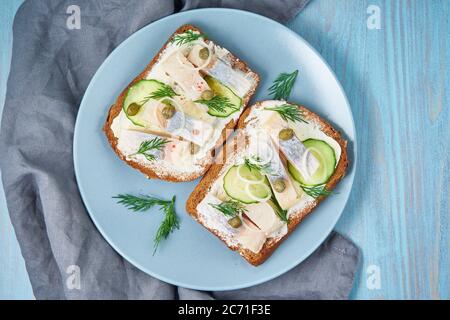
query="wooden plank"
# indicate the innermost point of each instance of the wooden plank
(397, 82)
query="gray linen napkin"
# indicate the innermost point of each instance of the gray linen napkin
(51, 68)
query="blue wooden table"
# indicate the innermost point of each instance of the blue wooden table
(393, 60)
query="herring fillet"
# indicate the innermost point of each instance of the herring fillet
(288, 196)
(222, 70)
(300, 157)
(180, 70)
(189, 128)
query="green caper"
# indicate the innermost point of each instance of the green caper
(168, 111)
(203, 53)
(166, 101)
(279, 185)
(193, 148)
(235, 222)
(286, 134)
(207, 95)
(133, 109)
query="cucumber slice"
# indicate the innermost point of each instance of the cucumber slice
(137, 94)
(222, 90)
(235, 187)
(259, 192)
(327, 159)
(248, 175)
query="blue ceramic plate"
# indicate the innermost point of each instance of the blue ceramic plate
(192, 257)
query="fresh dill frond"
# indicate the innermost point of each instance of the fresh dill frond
(188, 36)
(282, 86)
(255, 162)
(217, 103)
(281, 213)
(165, 91)
(168, 225)
(150, 145)
(138, 203)
(288, 112)
(229, 208)
(144, 203)
(316, 191)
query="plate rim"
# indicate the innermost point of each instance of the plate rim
(180, 283)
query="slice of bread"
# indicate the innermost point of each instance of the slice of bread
(226, 159)
(171, 173)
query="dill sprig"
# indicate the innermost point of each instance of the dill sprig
(229, 208)
(283, 84)
(139, 204)
(165, 91)
(150, 145)
(217, 103)
(188, 36)
(169, 224)
(316, 191)
(144, 203)
(288, 112)
(281, 213)
(255, 162)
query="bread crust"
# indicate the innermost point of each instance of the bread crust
(115, 109)
(214, 172)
